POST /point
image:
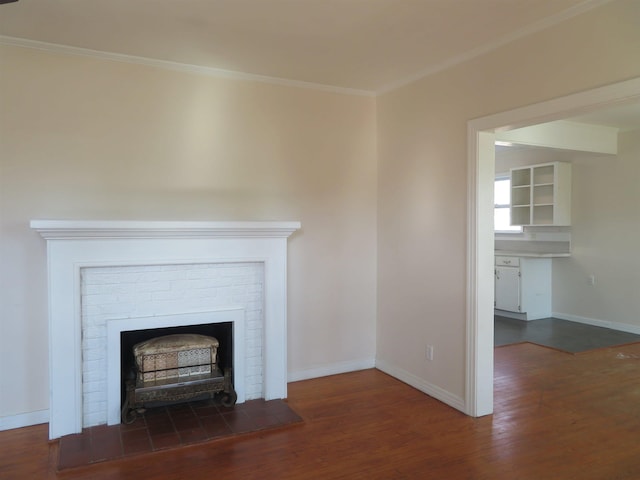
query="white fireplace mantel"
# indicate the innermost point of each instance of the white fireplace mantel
(73, 245)
(79, 229)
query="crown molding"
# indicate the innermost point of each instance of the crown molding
(491, 46)
(535, 27)
(177, 66)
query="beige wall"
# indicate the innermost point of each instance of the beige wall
(85, 138)
(422, 193)
(605, 239)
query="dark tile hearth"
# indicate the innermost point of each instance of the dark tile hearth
(170, 427)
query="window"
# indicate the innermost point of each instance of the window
(502, 209)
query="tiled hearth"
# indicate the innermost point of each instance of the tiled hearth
(172, 427)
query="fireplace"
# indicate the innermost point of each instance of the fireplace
(124, 333)
(222, 357)
(111, 250)
(175, 368)
(117, 299)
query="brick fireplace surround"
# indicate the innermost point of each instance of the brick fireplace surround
(105, 277)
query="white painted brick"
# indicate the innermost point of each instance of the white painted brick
(97, 388)
(195, 274)
(104, 279)
(199, 284)
(90, 300)
(254, 363)
(89, 343)
(95, 332)
(238, 290)
(113, 309)
(179, 284)
(253, 306)
(224, 292)
(89, 354)
(201, 293)
(153, 286)
(254, 372)
(90, 365)
(141, 298)
(94, 419)
(161, 290)
(252, 326)
(144, 269)
(91, 409)
(94, 397)
(249, 298)
(169, 276)
(88, 289)
(92, 376)
(254, 354)
(212, 273)
(90, 309)
(168, 295)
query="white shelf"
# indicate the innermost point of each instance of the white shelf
(541, 194)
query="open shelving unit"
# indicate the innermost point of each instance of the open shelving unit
(541, 194)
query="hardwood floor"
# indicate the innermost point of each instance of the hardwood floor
(557, 416)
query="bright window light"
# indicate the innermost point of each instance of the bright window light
(502, 206)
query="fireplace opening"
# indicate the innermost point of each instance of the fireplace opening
(136, 394)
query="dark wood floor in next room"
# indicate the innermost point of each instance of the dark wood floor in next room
(557, 416)
(572, 337)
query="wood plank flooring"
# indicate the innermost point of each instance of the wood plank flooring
(557, 416)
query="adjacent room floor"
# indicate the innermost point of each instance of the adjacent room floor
(562, 335)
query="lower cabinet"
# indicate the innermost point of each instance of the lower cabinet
(523, 286)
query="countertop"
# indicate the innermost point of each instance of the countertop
(511, 253)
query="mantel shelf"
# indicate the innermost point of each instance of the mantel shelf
(81, 229)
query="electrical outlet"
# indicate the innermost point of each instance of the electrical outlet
(591, 280)
(429, 352)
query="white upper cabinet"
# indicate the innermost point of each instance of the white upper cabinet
(541, 194)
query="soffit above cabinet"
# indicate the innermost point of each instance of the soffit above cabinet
(564, 135)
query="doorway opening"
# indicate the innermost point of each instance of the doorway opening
(480, 246)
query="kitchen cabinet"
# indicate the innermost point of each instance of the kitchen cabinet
(508, 289)
(541, 194)
(523, 287)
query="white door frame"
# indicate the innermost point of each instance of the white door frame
(480, 236)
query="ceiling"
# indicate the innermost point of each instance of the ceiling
(365, 46)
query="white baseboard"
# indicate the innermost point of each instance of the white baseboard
(42, 416)
(507, 314)
(623, 327)
(527, 316)
(418, 383)
(24, 419)
(331, 369)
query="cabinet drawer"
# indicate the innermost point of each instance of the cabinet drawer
(502, 261)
